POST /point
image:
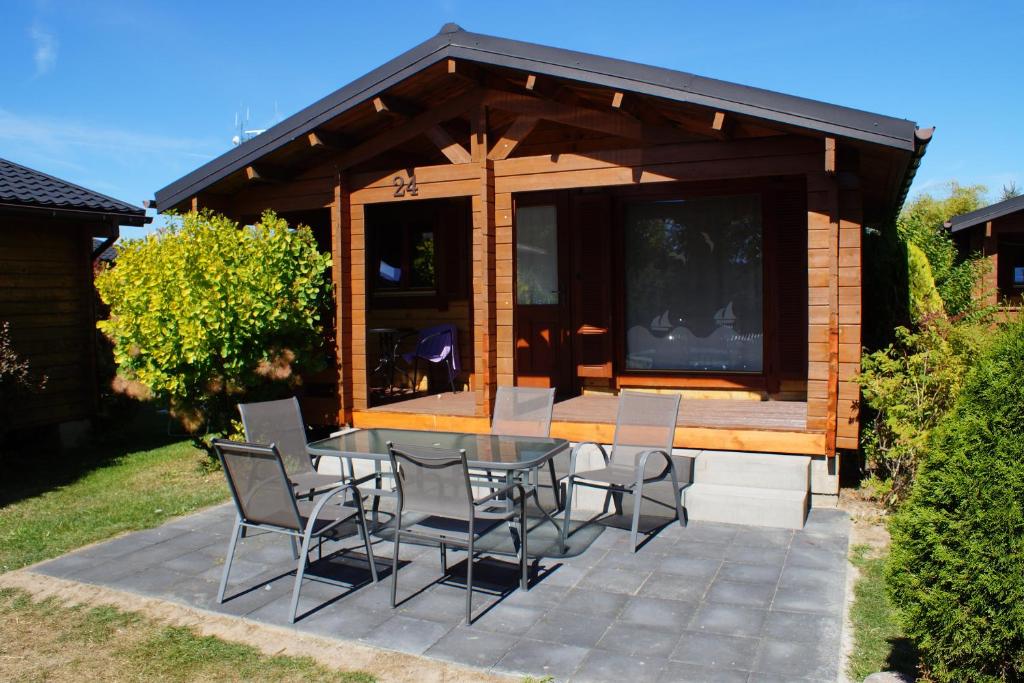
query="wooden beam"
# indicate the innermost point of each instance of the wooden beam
(264, 174)
(531, 82)
(409, 129)
(617, 100)
(830, 155)
(515, 134)
(466, 71)
(719, 121)
(988, 228)
(455, 152)
(326, 140)
(394, 107)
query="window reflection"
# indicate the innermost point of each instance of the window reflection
(694, 285)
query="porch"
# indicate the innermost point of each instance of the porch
(716, 424)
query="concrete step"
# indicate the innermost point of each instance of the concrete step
(758, 470)
(756, 506)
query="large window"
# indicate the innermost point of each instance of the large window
(537, 255)
(1010, 275)
(694, 299)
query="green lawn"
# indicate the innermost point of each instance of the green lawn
(45, 640)
(130, 478)
(878, 641)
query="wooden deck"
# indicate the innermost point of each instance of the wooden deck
(760, 426)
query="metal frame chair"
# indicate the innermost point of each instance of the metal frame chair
(280, 422)
(447, 361)
(644, 427)
(526, 411)
(264, 500)
(434, 486)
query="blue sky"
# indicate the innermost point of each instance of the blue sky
(125, 97)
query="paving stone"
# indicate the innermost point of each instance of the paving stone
(797, 659)
(684, 672)
(763, 537)
(732, 620)
(666, 614)
(748, 554)
(807, 577)
(825, 522)
(517, 619)
(713, 551)
(708, 532)
(538, 658)
(736, 593)
(816, 558)
(750, 573)
(406, 634)
(473, 647)
(716, 651)
(675, 587)
(800, 598)
(149, 581)
(613, 579)
(802, 627)
(600, 667)
(446, 604)
(596, 603)
(643, 641)
(569, 628)
(689, 566)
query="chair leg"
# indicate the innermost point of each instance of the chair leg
(231, 555)
(677, 493)
(617, 498)
(366, 540)
(555, 489)
(444, 558)
(637, 499)
(568, 510)
(394, 570)
(295, 546)
(300, 570)
(524, 581)
(469, 582)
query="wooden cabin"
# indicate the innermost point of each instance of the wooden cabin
(595, 225)
(47, 228)
(997, 233)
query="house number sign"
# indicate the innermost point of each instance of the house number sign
(404, 187)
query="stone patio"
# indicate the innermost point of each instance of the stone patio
(709, 602)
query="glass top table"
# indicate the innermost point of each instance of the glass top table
(483, 451)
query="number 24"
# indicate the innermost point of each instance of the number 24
(402, 187)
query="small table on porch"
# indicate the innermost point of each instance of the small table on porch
(517, 458)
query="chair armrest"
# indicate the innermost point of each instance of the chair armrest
(315, 513)
(576, 450)
(504, 489)
(641, 464)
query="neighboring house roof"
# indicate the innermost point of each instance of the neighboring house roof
(454, 42)
(108, 253)
(986, 214)
(23, 188)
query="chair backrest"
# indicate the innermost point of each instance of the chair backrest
(432, 481)
(258, 483)
(435, 343)
(279, 422)
(523, 411)
(645, 421)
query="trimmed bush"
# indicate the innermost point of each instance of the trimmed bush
(956, 571)
(207, 313)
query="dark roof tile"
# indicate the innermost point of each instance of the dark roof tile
(25, 187)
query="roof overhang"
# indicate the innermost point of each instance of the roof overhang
(898, 135)
(985, 214)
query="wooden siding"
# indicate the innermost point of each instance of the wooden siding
(849, 305)
(46, 294)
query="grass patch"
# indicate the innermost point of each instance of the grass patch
(46, 640)
(136, 478)
(878, 641)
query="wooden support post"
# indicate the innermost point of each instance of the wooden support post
(484, 299)
(341, 274)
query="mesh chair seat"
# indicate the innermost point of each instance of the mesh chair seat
(616, 475)
(447, 529)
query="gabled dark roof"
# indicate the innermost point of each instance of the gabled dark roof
(23, 188)
(109, 253)
(454, 42)
(986, 214)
